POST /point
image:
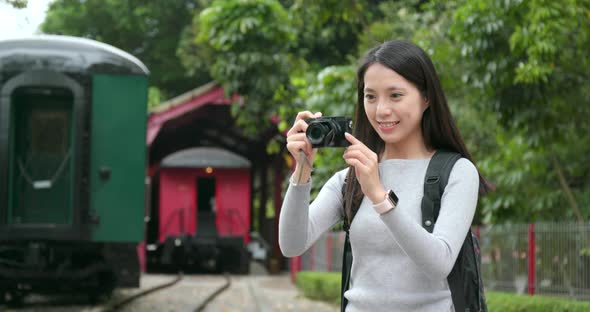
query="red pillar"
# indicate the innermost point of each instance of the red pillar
(295, 267)
(531, 258)
(329, 252)
(311, 258)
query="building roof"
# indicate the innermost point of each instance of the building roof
(186, 103)
(202, 157)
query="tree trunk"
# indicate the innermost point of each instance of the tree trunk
(567, 191)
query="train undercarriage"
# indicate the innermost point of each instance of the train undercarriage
(193, 254)
(51, 267)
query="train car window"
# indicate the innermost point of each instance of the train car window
(42, 135)
(49, 132)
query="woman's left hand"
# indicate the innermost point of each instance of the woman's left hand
(366, 167)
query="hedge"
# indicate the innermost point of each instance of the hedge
(319, 286)
(326, 287)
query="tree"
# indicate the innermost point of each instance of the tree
(19, 4)
(251, 42)
(150, 30)
(527, 56)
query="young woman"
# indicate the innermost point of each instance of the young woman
(401, 119)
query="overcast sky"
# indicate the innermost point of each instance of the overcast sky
(21, 22)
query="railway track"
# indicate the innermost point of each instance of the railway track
(199, 307)
(120, 304)
(185, 293)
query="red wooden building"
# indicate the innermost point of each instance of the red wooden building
(205, 189)
(209, 180)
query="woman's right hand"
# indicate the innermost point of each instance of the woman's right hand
(297, 142)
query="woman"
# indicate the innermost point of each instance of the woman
(401, 119)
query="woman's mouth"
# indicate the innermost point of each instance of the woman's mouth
(387, 126)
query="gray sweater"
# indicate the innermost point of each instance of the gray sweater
(398, 265)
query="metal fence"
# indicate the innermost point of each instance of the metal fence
(541, 258)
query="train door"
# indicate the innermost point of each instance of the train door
(206, 208)
(41, 174)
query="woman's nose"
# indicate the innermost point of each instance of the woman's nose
(384, 108)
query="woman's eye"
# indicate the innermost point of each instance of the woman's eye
(369, 96)
(396, 95)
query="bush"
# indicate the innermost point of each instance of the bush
(319, 286)
(505, 302)
(326, 287)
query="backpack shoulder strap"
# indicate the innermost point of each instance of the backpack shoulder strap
(346, 267)
(346, 258)
(435, 181)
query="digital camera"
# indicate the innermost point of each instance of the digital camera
(328, 131)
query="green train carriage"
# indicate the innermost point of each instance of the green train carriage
(72, 165)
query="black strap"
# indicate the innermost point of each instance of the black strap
(437, 177)
(346, 266)
(435, 181)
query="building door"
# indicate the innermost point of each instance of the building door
(206, 208)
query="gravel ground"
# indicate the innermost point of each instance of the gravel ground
(253, 293)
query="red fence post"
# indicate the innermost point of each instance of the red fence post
(295, 267)
(532, 259)
(311, 258)
(329, 253)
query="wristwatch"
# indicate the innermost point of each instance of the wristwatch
(387, 204)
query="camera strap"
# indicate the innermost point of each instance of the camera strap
(303, 160)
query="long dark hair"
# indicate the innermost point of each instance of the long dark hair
(438, 126)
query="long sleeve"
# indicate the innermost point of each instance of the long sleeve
(435, 253)
(301, 223)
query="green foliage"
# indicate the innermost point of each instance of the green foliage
(319, 285)
(521, 177)
(150, 30)
(525, 57)
(19, 4)
(524, 54)
(251, 41)
(328, 30)
(154, 97)
(504, 302)
(325, 286)
(334, 94)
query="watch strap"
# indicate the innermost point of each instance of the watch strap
(384, 206)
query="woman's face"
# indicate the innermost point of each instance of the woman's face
(393, 105)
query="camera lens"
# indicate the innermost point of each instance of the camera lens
(316, 132)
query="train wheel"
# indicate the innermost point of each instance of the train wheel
(13, 299)
(107, 281)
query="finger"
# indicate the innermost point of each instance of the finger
(317, 114)
(301, 138)
(296, 147)
(364, 159)
(304, 115)
(364, 150)
(350, 138)
(359, 167)
(299, 126)
(298, 136)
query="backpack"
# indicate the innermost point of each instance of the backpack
(465, 281)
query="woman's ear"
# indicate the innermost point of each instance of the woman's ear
(426, 104)
(425, 98)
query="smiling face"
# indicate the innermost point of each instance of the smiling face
(394, 107)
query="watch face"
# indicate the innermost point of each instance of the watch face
(392, 197)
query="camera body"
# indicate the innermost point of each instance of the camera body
(328, 131)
